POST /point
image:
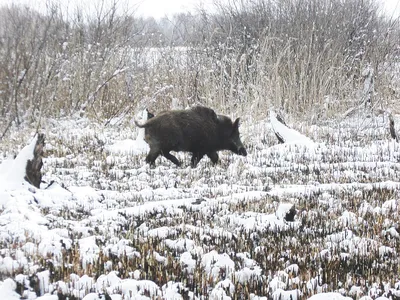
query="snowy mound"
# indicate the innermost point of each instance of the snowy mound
(12, 171)
(129, 146)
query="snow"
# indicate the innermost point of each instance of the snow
(286, 295)
(215, 263)
(329, 296)
(7, 289)
(119, 228)
(289, 135)
(282, 210)
(12, 172)
(129, 146)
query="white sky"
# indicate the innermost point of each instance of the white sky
(160, 8)
(146, 8)
(392, 7)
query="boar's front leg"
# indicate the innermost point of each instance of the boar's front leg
(213, 156)
(196, 158)
(172, 158)
(152, 156)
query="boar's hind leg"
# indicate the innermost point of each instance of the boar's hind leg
(196, 158)
(213, 156)
(172, 158)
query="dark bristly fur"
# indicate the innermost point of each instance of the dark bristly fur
(198, 130)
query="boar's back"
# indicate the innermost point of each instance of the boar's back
(193, 130)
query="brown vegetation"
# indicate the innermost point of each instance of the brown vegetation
(300, 56)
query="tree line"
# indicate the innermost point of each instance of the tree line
(301, 56)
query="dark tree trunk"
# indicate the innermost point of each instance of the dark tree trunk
(34, 166)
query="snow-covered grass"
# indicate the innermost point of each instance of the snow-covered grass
(111, 225)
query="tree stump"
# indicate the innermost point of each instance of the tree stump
(391, 128)
(34, 166)
(289, 217)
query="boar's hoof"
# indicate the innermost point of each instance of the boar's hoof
(152, 163)
(213, 156)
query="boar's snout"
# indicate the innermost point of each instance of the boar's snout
(242, 151)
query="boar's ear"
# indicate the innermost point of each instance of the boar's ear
(236, 124)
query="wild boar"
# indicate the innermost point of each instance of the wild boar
(198, 130)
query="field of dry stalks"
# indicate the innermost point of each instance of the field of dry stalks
(104, 225)
(111, 226)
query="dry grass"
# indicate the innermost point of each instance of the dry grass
(285, 63)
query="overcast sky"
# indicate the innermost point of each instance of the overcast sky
(160, 8)
(392, 7)
(155, 8)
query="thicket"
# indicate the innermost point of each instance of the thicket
(302, 56)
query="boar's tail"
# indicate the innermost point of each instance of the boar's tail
(140, 125)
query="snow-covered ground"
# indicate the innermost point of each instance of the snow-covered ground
(106, 225)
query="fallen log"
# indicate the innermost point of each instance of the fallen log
(284, 134)
(280, 138)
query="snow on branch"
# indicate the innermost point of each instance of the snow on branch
(285, 134)
(26, 166)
